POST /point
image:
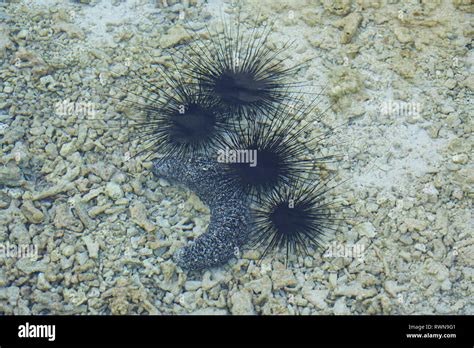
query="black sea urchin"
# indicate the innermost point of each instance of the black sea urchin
(292, 218)
(243, 73)
(229, 131)
(261, 156)
(182, 123)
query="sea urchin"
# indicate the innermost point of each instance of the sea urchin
(292, 218)
(277, 152)
(244, 74)
(182, 123)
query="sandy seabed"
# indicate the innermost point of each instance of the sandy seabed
(86, 229)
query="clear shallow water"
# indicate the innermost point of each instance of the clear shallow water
(103, 230)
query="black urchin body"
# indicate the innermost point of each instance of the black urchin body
(244, 75)
(278, 153)
(185, 123)
(229, 226)
(292, 219)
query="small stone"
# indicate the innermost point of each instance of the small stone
(4, 200)
(82, 258)
(68, 250)
(468, 82)
(114, 191)
(372, 207)
(5, 41)
(208, 282)
(168, 269)
(68, 148)
(122, 201)
(340, 307)
(12, 294)
(459, 145)
(47, 81)
(405, 256)
(338, 7)
(446, 285)
(66, 262)
(431, 190)
(61, 187)
(460, 159)
(138, 213)
(415, 224)
(457, 193)
(197, 204)
(103, 170)
(406, 239)
(187, 300)
(74, 32)
(391, 287)
(333, 280)
(19, 234)
(51, 150)
(83, 215)
(3, 278)
(405, 68)
(10, 176)
(450, 83)
(64, 219)
(174, 36)
(32, 214)
(439, 250)
(23, 34)
(421, 247)
(241, 303)
(354, 289)
(262, 285)
(92, 247)
(403, 35)
(282, 278)
(169, 297)
(440, 271)
(251, 255)
(210, 311)
(366, 229)
(349, 26)
(29, 266)
(164, 183)
(92, 194)
(192, 285)
(316, 297)
(42, 283)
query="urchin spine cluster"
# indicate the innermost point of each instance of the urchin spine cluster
(237, 106)
(293, 218)
(280, 155)
(244, 75)
(181, 123)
